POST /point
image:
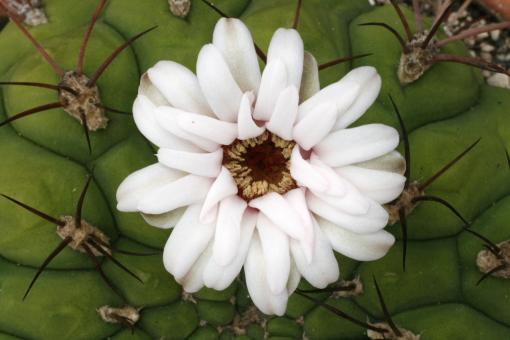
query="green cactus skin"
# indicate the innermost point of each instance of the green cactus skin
(44, 162)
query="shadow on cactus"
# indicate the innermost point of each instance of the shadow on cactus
(421, 50)
(78, 94)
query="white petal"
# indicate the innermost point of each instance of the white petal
(294, 278)
(353, 94)
(219, 87)
(336, 185)
(200, 164)
(343, 93)
(193, 281)
(223, 187)
(151, 92)
(370, 85)
(306, 174)
(315, 126)
(247, 128)
(341, 194)
(257, 283)
(284, 115)
(287, 45)
(167, 118)
(220, 277)
(144, 113)
(179, 86)
(235, 43)
(361, 247)
(275, 246)
(228, 229)
(274, 81)
(297, 200)
(188, 240)
(348, 146)
(187, 190)
(381, 186)
(352, 202)
(323, 269)
(374, 220)
(166, 220)
(207, 127)
(310, 81)
(392, 162)
(141, 183)
(280, 212)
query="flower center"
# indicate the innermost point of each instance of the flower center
(260, 165)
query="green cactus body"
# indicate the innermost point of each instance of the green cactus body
(45, 161)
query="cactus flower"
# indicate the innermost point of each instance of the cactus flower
(260, 170)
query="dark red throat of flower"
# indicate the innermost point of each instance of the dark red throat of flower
(260, 165)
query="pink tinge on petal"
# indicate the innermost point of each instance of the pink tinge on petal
(223, 187)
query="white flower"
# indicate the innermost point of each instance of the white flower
(260, 170)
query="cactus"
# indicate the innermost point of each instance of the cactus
(455, 283)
